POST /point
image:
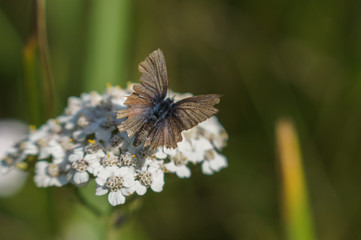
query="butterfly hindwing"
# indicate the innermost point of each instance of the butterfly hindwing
(165, 133)
(135, 119)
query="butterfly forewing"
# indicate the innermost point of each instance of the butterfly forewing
(193, 110)
(153, 86)
(154, 79)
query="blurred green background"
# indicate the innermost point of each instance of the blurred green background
(270, 59)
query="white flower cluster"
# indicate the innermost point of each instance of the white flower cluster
(84, 143)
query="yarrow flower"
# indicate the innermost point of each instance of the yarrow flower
(118, 181)
(150, 175)
(49, 174)
(10, 132)
(83, 144)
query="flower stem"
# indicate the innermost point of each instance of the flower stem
(48, 82)
(296, 207)
(51, 213)
(122, 215)
(108, 43)
(82, 200)
(31, 81)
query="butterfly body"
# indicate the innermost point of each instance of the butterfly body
(156, 120)
(157, 115)
(162, 109)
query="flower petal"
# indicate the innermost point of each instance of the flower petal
(101, 180)
(116, 198)
(101, 190)
(81, 177)
(171, 167)
(141, 190)
(206, 169)
(127, 191)
(183, 172)
(157, 185)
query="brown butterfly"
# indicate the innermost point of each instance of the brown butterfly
(156, 120)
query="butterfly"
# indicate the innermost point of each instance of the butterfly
(153, 118)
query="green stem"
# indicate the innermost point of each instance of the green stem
(31, 81)
(51, 216)
(296, 207)
(48, 82)
(121, 215)
(82, 201)
(108, 44)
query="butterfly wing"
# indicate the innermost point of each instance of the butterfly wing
(153, 87)
(186, 114)
(154, 80)
(193, 110)
(135, 119)
(166, 133)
